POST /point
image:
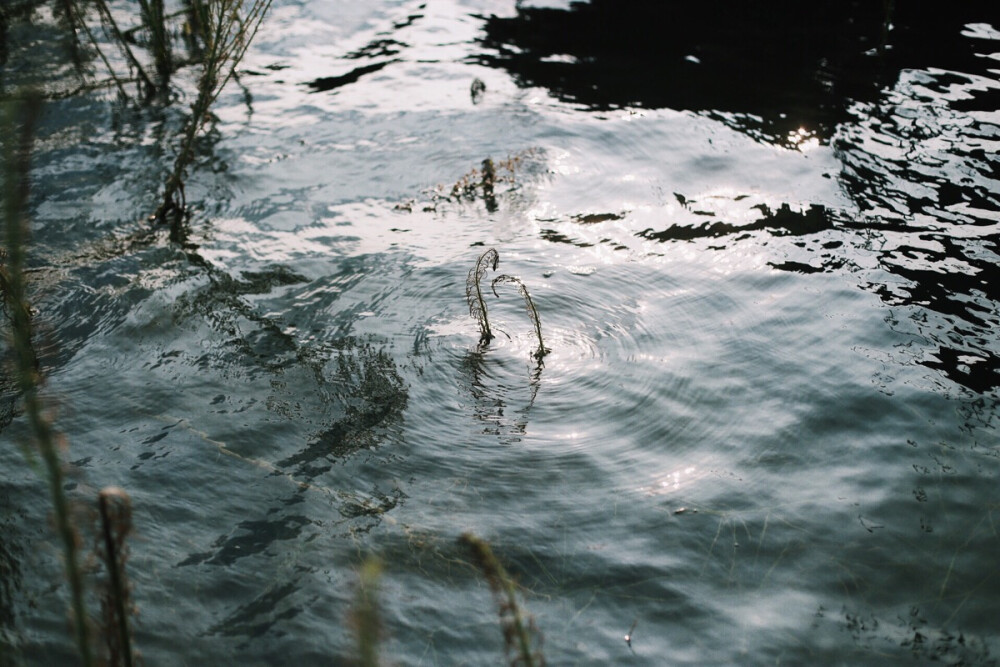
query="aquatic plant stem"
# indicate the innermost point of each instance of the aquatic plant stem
(474, 292)
(530, 305)
(153, 17)
(227, 36)
(122, 42)
(115, 508)
(503, 588)
(104, 58)
(16, 168)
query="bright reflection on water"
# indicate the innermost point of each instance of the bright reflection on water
(766, 430)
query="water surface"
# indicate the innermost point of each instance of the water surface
(766, 429)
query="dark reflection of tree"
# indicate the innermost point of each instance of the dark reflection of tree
(777, 65)
(257, 617)
(931, 203)
(373, 397)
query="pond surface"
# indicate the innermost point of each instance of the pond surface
(764, 252)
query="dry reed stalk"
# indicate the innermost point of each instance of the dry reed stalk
(230, 27)
(18, 128)
(516, 634)
(115, 508)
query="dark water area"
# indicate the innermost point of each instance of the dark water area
(767, 68)
(763, 243)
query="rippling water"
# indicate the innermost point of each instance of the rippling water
(767, 427)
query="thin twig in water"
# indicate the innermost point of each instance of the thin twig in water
(628, 635)
(115, 509)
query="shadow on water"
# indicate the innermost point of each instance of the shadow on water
(766, 69)
(902, 92)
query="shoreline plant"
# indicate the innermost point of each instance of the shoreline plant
(226, 29)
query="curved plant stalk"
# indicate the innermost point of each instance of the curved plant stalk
(530, 306)
(516, 633)
(115, 508)
(17, 129)
(474, 292)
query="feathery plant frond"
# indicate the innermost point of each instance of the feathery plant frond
(16, 136)
(477, 305)
(529, 305)
(516, 633)
(115, 508)
(474, 292)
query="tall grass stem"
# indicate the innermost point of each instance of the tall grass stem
(18, 129)
(515, 631)
(115, 508)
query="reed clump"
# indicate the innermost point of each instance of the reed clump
(226, 28)
(217, 34)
